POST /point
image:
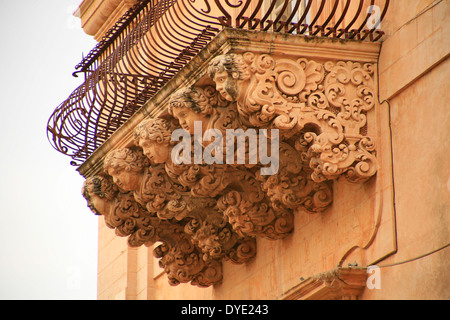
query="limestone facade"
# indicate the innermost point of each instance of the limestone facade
(363, 175)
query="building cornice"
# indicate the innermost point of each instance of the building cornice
(97, 17)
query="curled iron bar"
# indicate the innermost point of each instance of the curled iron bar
(155, 39)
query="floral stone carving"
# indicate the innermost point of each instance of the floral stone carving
(312, 116)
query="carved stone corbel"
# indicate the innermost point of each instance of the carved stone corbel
(182, 261)
(148, 207)
(120, 211)
(292, 187)
(209, 229)
(150, 185)
(205, 211)
(327, 102)
(349, 92)
(217, 239)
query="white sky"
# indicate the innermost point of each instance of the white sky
(48, 236)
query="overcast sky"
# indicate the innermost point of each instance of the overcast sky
(48, 236)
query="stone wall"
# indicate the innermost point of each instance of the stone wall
(398, 215)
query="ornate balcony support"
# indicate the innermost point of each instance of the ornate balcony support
(155, 39)
(310, 103)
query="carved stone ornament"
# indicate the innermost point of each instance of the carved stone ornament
(206, 195)
(337, 284)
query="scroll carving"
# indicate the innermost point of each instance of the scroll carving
(206, 209)
(184, 262)
(292, 187)
(294, 96)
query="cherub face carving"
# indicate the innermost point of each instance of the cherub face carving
(228, 72)
(226, 85)
(124, 179)
(154, 137)
(189, 105)
(99, 192)
(157, 153)
(99, 205)
(187, 118)
(126, 167)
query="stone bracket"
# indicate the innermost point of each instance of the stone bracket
(314, 114)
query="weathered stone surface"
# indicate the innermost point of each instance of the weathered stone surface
(413, 72)
(215, 195)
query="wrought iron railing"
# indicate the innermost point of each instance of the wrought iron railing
(155, 39)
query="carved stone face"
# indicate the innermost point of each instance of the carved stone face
(99, 205)
(226, 85)
(156, 152)
(125, 179)
(186, 117)
(99, 193)
(154, 137)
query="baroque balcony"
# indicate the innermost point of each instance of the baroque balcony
(299, 75)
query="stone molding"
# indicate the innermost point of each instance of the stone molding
(337, 284)
(97, 17)
(203, 214)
